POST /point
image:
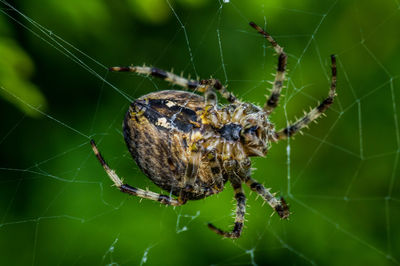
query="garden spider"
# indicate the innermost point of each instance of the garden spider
(190, 146)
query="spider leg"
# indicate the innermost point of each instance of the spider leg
(273, 99)
(314, 113)
(240, 212)
(279, 206)
(161, 74)
(192, 169)
(205, 86)
(210, 97)
(167, 200)
(217, 85)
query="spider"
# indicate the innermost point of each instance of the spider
(190, 145)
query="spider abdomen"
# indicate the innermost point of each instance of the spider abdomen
(165, 134)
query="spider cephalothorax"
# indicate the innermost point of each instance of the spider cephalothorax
(190, 146)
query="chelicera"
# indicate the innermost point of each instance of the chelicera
(190, 146)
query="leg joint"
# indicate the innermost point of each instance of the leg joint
(325, 104)
(241, 198)
(164, 199)
(282, 60)
(125, 188)
(156, 72)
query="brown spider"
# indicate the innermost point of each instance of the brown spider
(190, 146)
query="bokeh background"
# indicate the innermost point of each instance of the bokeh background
(341, 177)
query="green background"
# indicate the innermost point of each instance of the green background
(341, 178)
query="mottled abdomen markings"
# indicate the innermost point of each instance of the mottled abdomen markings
(172, 145)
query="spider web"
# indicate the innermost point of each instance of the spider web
(340, 177)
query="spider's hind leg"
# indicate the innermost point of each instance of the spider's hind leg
(125, 188)
(279, 206)
(233, 175)
(240, 212)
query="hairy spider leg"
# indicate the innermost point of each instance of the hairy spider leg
(240, 213)
(125, 188)
(204, 86)
(314, 113)
(279, 206)
(194, 160)
(217, 85)
(273, 99)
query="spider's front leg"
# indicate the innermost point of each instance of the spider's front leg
(314, 113)
(273, 99)
(125, 188)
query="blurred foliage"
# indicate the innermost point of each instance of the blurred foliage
(16, 68)
(158, 11)
(57, 205)
(155, 11)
